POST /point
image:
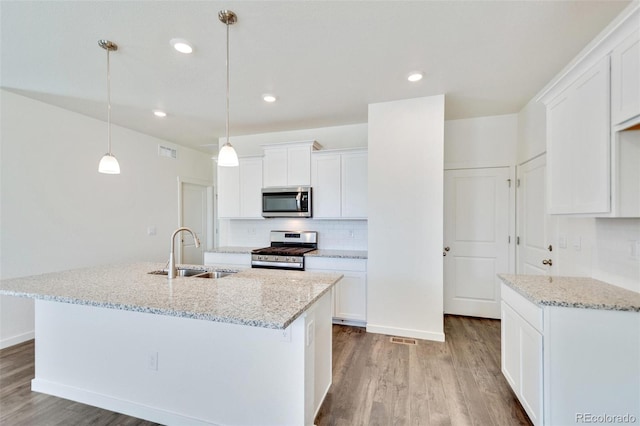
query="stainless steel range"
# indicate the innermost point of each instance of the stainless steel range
(286, 251)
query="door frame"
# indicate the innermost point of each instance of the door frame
(210, 232)
(511, 250)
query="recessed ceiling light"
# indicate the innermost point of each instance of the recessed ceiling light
(181, 45)
(415, 76)
(159, 113)
(269, 98)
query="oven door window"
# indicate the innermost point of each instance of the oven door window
(285, 202)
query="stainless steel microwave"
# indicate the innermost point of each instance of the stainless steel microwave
(287, 202)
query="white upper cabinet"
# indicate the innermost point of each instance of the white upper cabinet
(240, 189)
(354, 184)
(288, 164)
(326, 182)
(578, 135)
(593, 126)
(339, 181)
(251, 187)
(625, 79)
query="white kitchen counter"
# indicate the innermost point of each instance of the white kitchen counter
(254, 297)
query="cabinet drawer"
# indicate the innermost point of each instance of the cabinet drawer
(528, 310)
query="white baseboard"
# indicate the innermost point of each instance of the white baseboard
(14, 340)
(405, 332)
(114, 404)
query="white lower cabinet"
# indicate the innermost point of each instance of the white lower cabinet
(522, 361)
(571, 365)
(231, 260)
(350, 294)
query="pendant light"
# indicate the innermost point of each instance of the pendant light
(227, 156)
(108, 163)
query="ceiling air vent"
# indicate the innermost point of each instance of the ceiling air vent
(164, 151)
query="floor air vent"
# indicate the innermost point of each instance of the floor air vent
(403, 341)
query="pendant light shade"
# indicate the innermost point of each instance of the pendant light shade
(108, 163)
(227, 156)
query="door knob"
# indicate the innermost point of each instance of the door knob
(447, 249)
(547, 262)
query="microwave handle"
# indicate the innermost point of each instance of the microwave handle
(298, 202)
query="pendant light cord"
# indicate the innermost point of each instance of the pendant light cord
(108, 102)
(227, 126)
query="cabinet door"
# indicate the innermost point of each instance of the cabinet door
(299, 165)
(326, 181)
(251, 188)
(351, 296)
(625, 79)
(228, 192)
(354, 185)
(275, 167)
(521, 352)
(531, 372)
(578, 138)
(510, 346)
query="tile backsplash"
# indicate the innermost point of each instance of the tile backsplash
(332, 234)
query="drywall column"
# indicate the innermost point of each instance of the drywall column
(404, 273)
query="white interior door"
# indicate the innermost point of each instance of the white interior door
(476, 235)
(194, 216)
(533, 248)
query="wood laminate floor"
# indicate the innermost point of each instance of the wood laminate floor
(375, 382)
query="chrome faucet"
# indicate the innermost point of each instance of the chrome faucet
(173, 271)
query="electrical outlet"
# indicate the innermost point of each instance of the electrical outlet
(634, 249)
(577, 244)
(152, 361)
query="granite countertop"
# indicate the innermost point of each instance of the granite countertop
(254, 297)
(573, 292)
(235, 250)
(342, 254)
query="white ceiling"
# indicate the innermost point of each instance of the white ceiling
(325, 60)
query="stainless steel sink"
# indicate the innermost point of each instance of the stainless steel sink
(197, 273)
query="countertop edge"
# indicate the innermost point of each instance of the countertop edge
(507, 280)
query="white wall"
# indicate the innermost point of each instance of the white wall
(59, 213)
(404, 269)
(481, 142)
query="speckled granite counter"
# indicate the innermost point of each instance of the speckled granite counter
(342, 254)
(254, 297)
(233, 250)
(573, 292)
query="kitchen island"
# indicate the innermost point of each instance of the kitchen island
(250, 348)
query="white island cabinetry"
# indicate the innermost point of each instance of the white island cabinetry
(250, 348)
(350, 294)
(574, 352)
